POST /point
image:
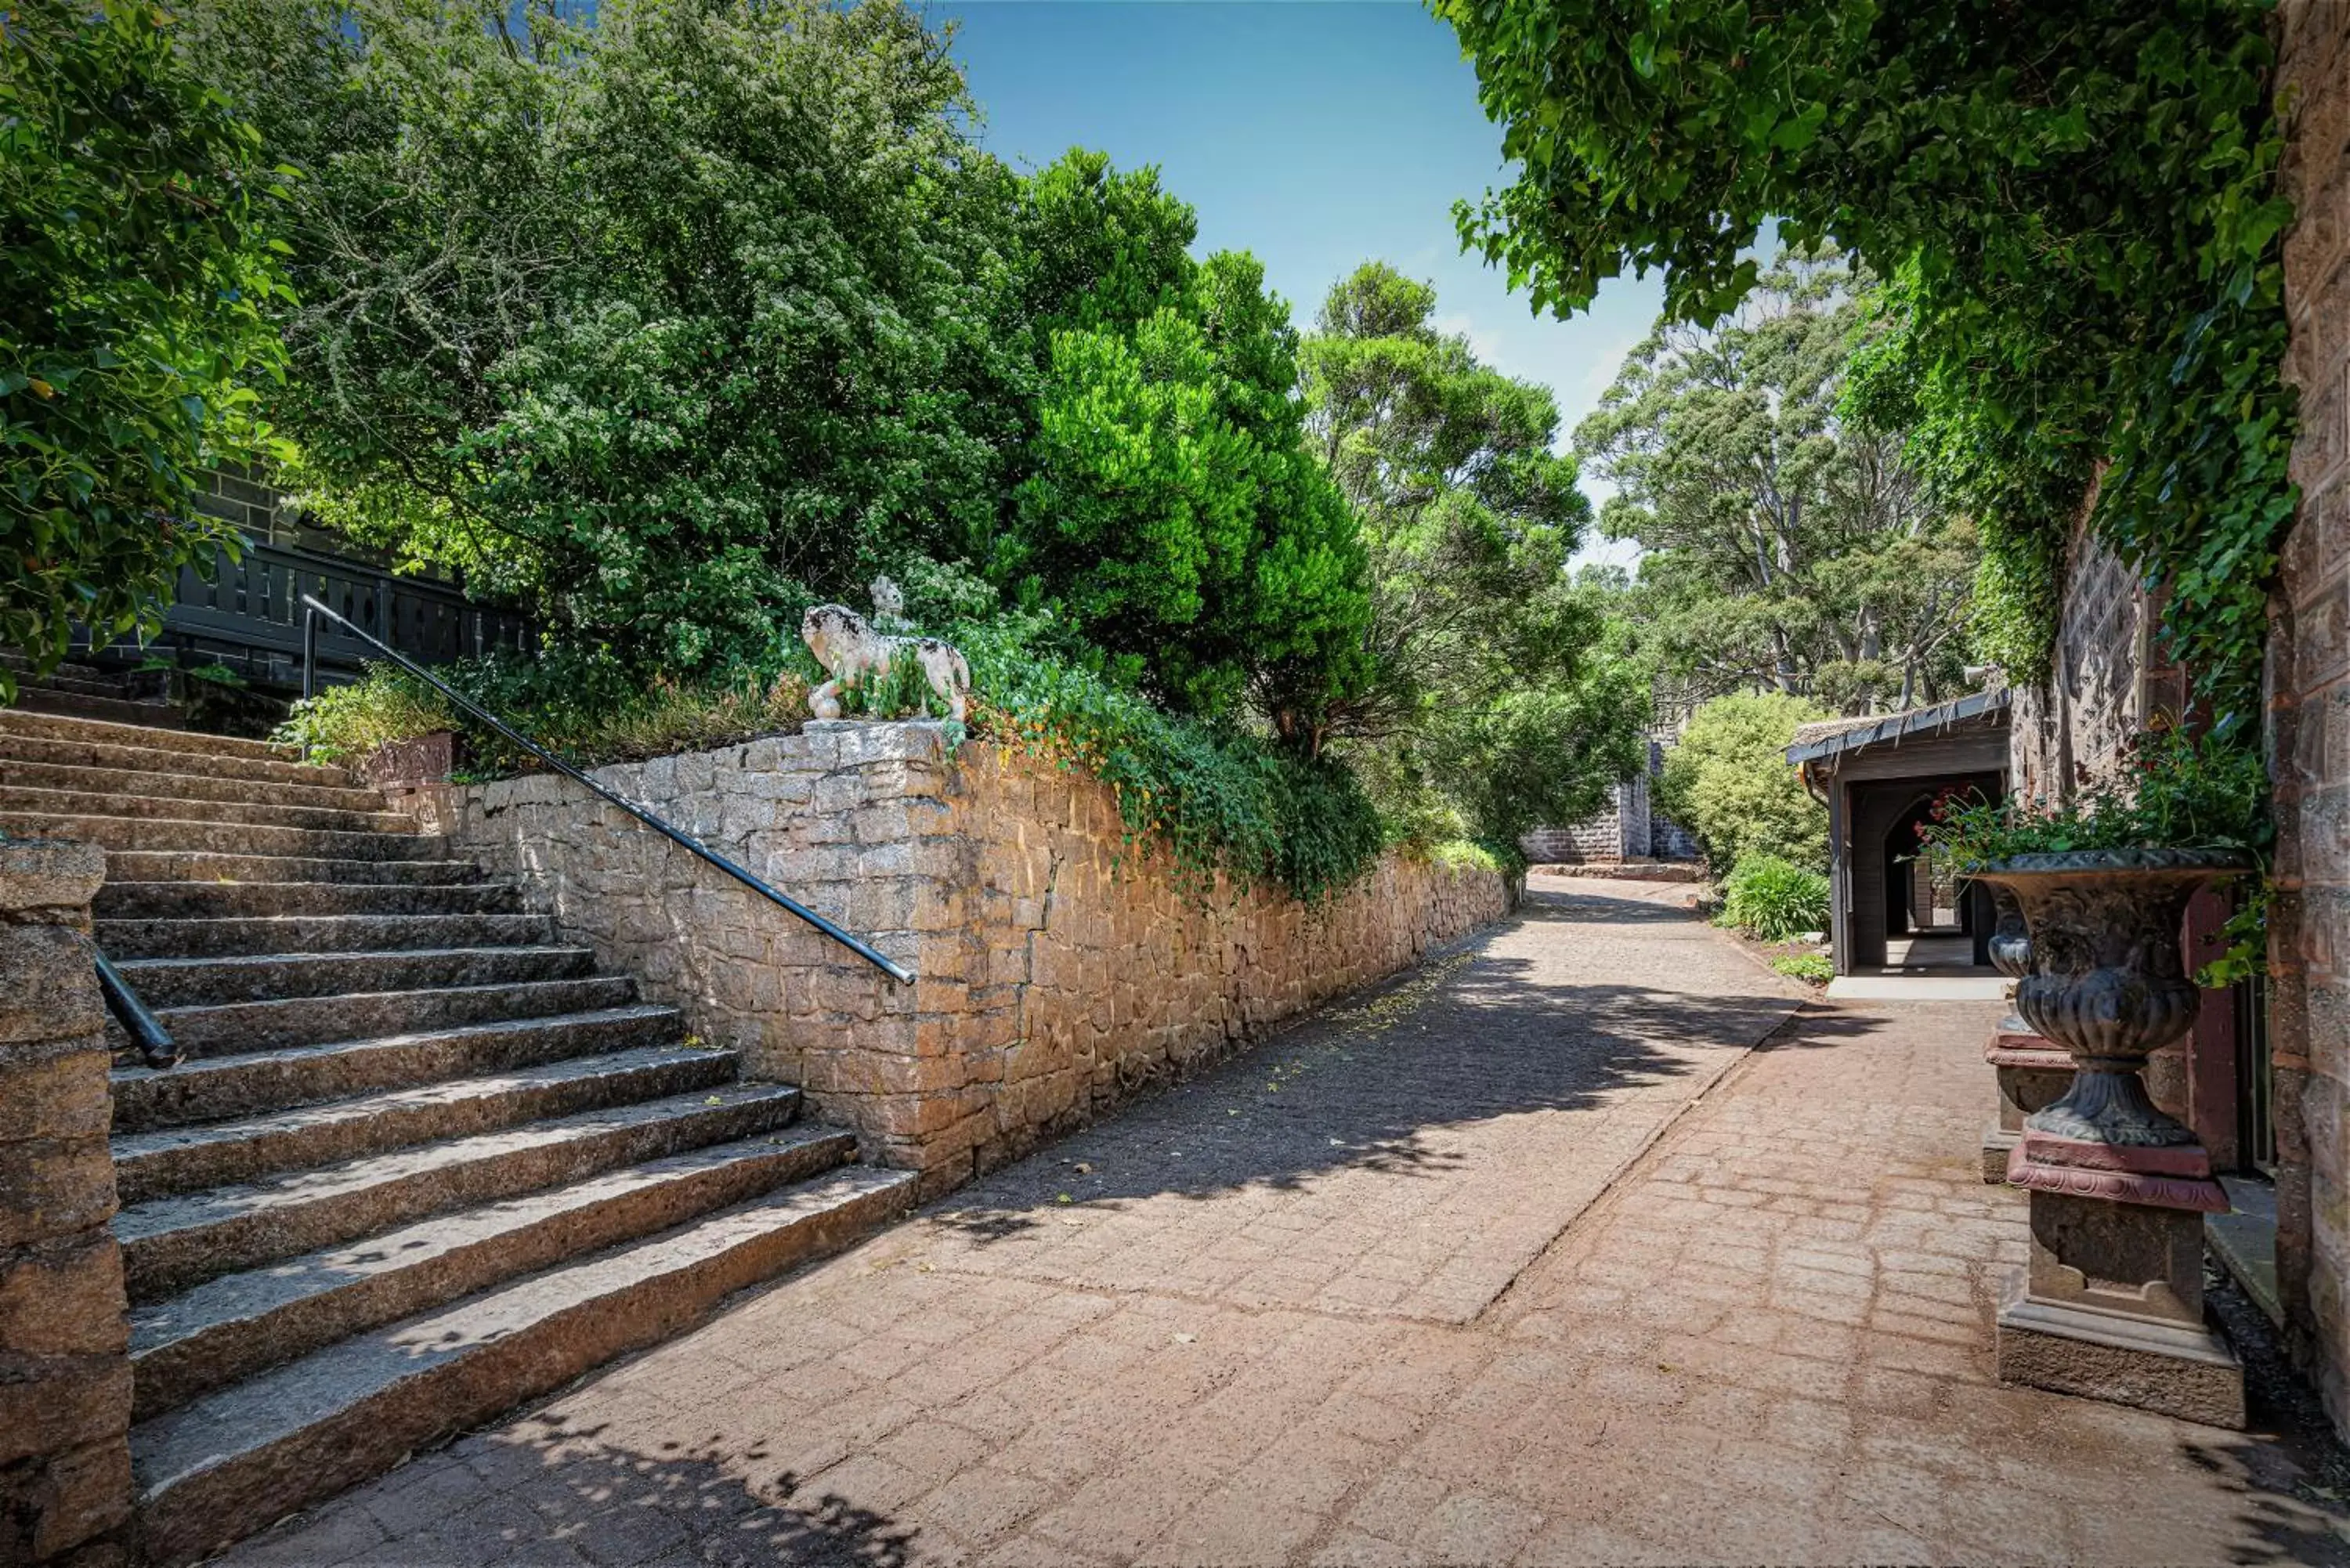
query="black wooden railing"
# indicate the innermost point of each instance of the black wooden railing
(255, 603)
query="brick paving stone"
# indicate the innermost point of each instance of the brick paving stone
(1528, 1258)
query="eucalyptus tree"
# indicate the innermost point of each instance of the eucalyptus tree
(1787, 547)
(1490, 693)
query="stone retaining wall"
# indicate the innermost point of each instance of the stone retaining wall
(1060, 968)
(64, 1363)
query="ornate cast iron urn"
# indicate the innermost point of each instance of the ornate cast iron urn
(2031, 1071)
(2110, 1302)
(2106, 980)
(2010, 948)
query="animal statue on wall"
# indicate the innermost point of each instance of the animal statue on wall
(852, 650)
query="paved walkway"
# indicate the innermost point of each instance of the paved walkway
(1526, 1260)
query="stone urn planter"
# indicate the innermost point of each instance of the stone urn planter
(2111, 1302)
(2106, 980)
(2031, 1070)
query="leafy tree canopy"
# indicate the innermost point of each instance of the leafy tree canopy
(1728, 782)
(671, 321)
(137, 262)
(1489, 694)
(1170, 506)
(2073, 205)
(1786, 548)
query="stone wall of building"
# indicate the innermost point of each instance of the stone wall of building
(2309, 660)
(2109, 680)
(64, 1363)
(1061, 967)
(1629, 829)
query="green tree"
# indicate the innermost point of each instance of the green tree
(1489, 690)
(136, 265)
(2072, 204)
(672, 321)
(1785, 546)
(1728, 781)
(1169, 505)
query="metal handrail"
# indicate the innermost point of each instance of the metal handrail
(146, 1029)
(313, 609)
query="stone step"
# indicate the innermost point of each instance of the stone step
(151, 1165)
(128, 750)
(16, 721)
(218, 937)
(75, 680)
(171, 1244)
(209, 865)
(47, 701)
(134, 903)
(140, 833)
(222, 1467)
(240, 1324)
(70, 669)
(215, 1088)
(173, 983)
(116, 782)
(148, 801)
(236, 1027)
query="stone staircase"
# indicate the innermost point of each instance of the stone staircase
(86, 691)
(421, 1162)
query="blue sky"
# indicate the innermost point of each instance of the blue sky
(1316, 135)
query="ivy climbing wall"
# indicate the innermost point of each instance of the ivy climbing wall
(2309, 713)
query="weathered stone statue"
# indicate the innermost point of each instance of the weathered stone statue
(851, 649)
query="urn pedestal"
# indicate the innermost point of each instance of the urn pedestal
(2031, 1070)
(2110, 1305)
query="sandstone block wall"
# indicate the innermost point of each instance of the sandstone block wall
(2109, 680)
(2309, 731)
(65, 1366)
(1060, 967)
(1629, 829)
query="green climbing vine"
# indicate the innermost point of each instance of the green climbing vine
(2071, 205)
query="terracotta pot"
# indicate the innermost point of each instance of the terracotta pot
(2106, 980)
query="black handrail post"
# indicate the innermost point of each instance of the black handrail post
(309, 649)
(879, 961)
(146, 1029)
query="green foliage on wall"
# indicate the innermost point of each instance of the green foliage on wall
(2074, 206)
(138, 265)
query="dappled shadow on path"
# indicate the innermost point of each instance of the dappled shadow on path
(1470, 1036)
(2290, 1449)
(551, 1489)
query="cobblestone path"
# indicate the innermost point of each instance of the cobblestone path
(1528, 1258)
